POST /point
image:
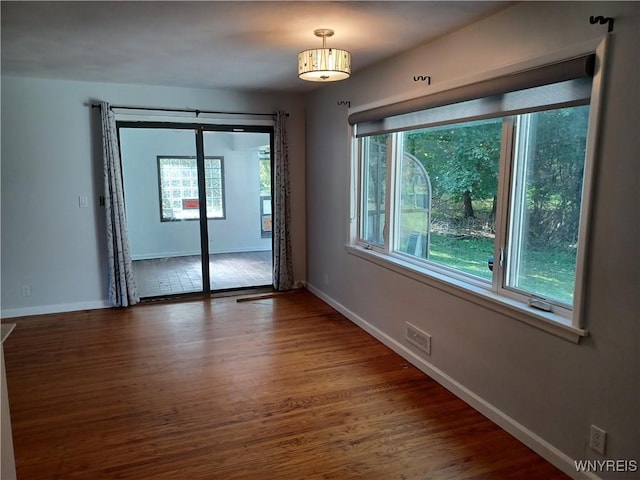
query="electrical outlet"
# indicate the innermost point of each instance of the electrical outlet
(420, 339)
(598, 439)
(26, 290)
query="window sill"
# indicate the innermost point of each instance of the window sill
(548, 322)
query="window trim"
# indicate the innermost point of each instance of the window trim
(588, 183)
(494, 298)
(548, 322)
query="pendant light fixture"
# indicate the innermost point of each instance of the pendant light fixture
(324, 64)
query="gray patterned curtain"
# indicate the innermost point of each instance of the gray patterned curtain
(282, 261)
(122, 284)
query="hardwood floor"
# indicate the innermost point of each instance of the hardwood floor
(278, 388)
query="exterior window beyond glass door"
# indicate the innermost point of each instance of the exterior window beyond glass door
(179, 188)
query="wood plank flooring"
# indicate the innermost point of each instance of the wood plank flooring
(277, 388)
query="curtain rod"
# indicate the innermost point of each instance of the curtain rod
(186, 110)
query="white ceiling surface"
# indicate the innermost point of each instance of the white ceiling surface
(210, 44)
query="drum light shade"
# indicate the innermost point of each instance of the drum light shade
(324, 64)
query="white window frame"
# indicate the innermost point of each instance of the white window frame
(563, 322)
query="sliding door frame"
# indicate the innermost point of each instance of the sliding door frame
(199, 129)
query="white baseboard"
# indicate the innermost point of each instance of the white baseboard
(242, 250)
(526, 436)
(57, 308)
(71, 307)
(153, 256)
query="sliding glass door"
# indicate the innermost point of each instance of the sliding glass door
(198, 206)
(238, 190)
(161, 199)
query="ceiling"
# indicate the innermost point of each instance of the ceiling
(210, 44)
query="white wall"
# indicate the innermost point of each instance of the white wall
(239, 231)
(51, 154)
(546, 389)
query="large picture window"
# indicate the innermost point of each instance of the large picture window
(488, 192)
(178, 184)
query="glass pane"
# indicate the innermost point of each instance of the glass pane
(448, 194)
(237, 180)
(374, 170)
(158, 166)
(414, 207)
(544, 221)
